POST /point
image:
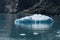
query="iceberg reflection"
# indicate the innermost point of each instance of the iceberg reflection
(36, 26)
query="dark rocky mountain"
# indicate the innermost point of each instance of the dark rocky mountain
(47, 7)
(2, 6)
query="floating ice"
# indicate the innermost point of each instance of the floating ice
(35, 22)
(58, 35)
(34, 19)
(58, 32)
(35, 33)
(22, 34)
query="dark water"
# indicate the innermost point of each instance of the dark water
(10, 31)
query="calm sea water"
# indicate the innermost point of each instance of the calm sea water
(10, 31)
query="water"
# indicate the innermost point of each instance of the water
(10, 31)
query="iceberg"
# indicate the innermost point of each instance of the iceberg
(34, 22)
(34, 19)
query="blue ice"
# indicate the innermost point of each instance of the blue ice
(34, 19)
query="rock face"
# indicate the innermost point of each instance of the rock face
(47, 7)
(10, 6)
(25, 4)
(2, 5)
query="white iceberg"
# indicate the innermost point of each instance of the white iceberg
(34, 19)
